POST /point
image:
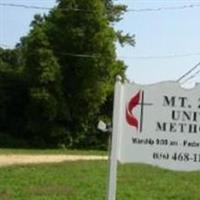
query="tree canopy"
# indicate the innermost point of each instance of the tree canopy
(68, 65)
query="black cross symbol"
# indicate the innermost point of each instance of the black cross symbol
(142, 110)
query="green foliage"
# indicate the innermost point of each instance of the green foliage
(125, 39)
(67, 65)
(9, 59)
(13, 98)
(42, 72)
(13, 93)
(88, 80)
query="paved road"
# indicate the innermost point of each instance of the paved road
(6, 160)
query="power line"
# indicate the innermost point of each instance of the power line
(81, 55)
(161, 57)
(131, 57)
(42, 8)
(5, 46)
(165, 8)
(123, 57)
(191, 6)
(188, 72)
(191, 77)
(24, 6)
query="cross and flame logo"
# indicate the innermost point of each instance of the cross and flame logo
(136, 100)
(133, 103)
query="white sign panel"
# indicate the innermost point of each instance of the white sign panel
(160, 125)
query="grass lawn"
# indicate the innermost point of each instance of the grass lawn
(86, 180)
(50, 151)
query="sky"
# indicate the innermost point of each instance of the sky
(167, 40)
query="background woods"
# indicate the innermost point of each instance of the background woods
(58, 81)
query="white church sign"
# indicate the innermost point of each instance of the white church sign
(158, 124)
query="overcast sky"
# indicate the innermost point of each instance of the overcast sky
(167, 37)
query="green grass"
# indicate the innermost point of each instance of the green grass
(86, 180)
(50, 151)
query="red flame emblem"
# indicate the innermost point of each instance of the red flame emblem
(133, 103)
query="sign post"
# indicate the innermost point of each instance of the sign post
(112, 182)
(156, 124)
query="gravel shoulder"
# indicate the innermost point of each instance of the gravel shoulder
(6, 160)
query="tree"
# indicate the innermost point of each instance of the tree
(13, 97)
(86, 29)
(70, 66)
(45, 108)
(10, 59)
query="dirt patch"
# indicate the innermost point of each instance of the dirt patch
(6, 160)
(4, 195)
